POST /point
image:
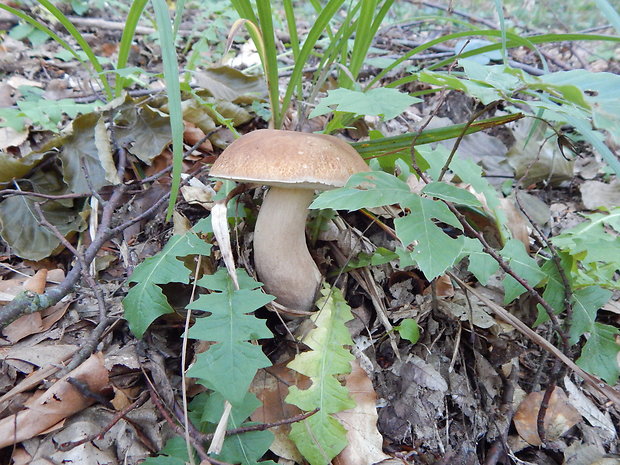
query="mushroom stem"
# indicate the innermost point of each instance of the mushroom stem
(281, 256)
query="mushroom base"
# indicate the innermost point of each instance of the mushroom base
(283, 262)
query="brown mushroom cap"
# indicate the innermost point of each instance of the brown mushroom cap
(289, 159)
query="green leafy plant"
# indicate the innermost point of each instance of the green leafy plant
(321, 437)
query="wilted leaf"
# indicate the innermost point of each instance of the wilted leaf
(147, 130)
(81, 166)
(15, 168)
(20, 225)
(271, 387)
(231, 85)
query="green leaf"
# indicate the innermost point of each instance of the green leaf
(523, 265)
(554, 293)
(600, 353)
(321, 437)
(145, 302)
(435, 251)
(586, 303)
(365, 190)
(385, 102)
(246, 448)
(451, 193)
(409, 329)
(229, 366)
(49, 113)
(481, 264)
(165, 267)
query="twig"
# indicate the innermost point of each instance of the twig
(459, 139)
(555, 256)
(261, 426)
(177, 429)
(12, 192)
(66, 446)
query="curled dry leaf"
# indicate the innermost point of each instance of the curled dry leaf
(57, 403)
(559, 418)
(364, 440)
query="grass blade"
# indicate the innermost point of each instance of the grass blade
(135, 12)
(171, 76)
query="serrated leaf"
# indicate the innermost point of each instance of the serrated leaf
(554, 293)
(481, 264)
(220, 326)
(523, 265)
(320, 438)
(145, 302)
(165, 267)
(435, 251)
(600, 353)
(365, 190)
(381, 101)
(451, 193)
(586, 303)
(229, 366)
(48, 113)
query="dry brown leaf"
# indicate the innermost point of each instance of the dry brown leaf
(271, 388)
(559, 417)
(364, 440)
(35, 323)
(193, 134)
(57, 403)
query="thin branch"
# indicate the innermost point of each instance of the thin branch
(67, 446)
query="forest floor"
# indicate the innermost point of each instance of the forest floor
(453, 397)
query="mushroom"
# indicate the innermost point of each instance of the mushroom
(294, 165)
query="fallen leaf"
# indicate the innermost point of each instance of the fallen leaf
(271, 387)
(559, 417)
(596, 194)
(57, 403)
(37, 282)
(364, 440)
